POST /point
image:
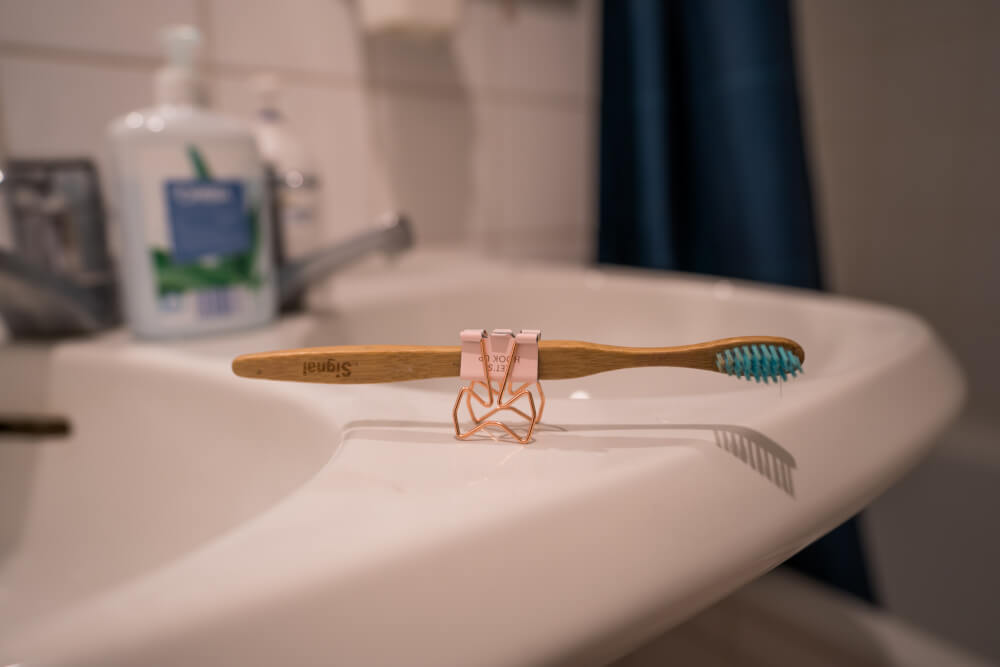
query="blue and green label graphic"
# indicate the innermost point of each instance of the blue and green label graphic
(214, 232)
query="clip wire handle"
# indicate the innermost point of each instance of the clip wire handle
(495, 403)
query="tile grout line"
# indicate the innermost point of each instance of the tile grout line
(203, 18)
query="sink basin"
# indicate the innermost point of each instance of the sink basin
(194, 517)
(161, 460)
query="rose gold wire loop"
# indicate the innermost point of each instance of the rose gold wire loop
(496, 402)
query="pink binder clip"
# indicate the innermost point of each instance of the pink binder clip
(500, 359)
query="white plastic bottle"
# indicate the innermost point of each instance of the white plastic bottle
(295, 193)
(196, 251)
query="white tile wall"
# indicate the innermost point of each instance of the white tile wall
(545, 48)
(59, 109)
(430, 159)
(55, 109)
(305, 35)
(335, 121)
(481, 137)
(549, 47)
(459, 63)
(101, 26)
(549, 195)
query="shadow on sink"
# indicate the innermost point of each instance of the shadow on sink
(756, 450)
(761, 453)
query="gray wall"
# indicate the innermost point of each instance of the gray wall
(903, 108)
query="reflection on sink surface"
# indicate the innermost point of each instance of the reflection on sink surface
(262, 522)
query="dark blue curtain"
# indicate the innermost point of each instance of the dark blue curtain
(703, 165)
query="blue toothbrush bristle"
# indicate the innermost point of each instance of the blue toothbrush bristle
(758, 362)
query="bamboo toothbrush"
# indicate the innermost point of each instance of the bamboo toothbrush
(751, 357)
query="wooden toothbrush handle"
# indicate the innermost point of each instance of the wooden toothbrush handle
(563, 359)
(557, 360)
(352, 364)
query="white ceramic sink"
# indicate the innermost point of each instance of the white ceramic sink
(198, 518)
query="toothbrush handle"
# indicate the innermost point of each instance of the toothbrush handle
(352, 364)
(558, 359)
(563, 359)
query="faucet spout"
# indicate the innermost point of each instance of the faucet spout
(392, 237)
(36, 302)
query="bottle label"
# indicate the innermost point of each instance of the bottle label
(207, 219)
(205, 231)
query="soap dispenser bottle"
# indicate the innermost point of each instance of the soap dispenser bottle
(196, 251)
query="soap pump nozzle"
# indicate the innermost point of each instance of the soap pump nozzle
(177, 81)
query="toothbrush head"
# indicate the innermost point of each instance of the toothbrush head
(758, 362)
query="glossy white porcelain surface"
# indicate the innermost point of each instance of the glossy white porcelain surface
(194, 517)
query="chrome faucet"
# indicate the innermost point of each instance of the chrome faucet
(391, 236)
(36, 301)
